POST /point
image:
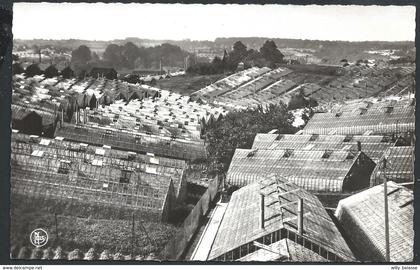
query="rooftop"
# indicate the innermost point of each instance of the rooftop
(379, 120)
(373, 146)
(362, 217)
(315, 170)
(399, 166)
(240, 225)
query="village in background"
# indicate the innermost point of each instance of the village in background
(237, 149)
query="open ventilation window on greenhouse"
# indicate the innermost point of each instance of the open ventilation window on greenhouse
(64, 167)
(327, 154)
(125, 176)
(314, 137)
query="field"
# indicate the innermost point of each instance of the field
(85, 232)
(187, 84)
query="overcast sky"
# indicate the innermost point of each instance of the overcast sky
(206, 22)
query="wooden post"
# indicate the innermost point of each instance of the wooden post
(56, 229)
(132, 239)
(413, 144)
(387, 253)
(152, 242)
(262, 211)
(300, 216)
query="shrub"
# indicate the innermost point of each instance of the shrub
(58, 255)
(23, 253)
(75, 255)
(90, 255)
(105, 255)
(48, 254)
(36, 254)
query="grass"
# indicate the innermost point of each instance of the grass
(185, 85)
(85, 232)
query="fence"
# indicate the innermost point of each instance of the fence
(176, 247)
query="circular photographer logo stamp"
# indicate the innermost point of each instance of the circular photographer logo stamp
(39, 237)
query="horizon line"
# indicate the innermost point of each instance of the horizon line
(208, 40)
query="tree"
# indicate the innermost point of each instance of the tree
(238, 53)
(238, 129)
(271, 53)
(51, 71)
(67, 73)
(113, 54)
(17, 69)
(255, 58)
(299, 101)
(240, 48)
(80, 58)
(33, 70)
(130, 52)
(15, 57)
(81, 54)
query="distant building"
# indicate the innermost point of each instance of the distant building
(108, 73)
(240, 67)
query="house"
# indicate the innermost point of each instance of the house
(363, 221)
(108, 73)
(275, 220)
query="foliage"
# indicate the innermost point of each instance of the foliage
(51, 71)
(15, 57)
(238, 129)
(17, 69)
(83, 233)
(130, 56)
(270, 52)
(67, 73)
(80, 58)
(300, 101)
(307, 114)
(33, 70)
(402, 60)
(268, 55)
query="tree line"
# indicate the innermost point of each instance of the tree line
(128, 56)
(268, 55)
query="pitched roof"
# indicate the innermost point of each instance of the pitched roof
(20, 112)
(399, 166)
(378, 120)
(313, 169)
(87, 155)
(47, 176)
(373, 146)
(294, 251)
(240, 224)
(362, 217)
(132, 140)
